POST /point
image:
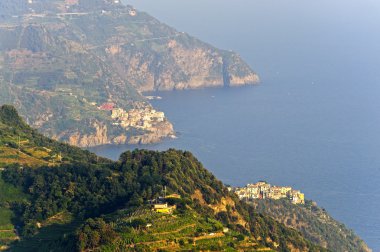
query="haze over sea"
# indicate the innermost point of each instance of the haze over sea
(313, 123)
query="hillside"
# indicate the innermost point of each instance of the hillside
(87, 192)
(20, 144)
(314, 223)
(66, 64)
(88, 202)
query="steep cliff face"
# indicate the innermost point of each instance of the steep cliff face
(101, 136)
(180, 67)
(61, 61)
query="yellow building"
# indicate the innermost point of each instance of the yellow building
(301, 197)
(163, 208)
(285, 189)
(297, 197)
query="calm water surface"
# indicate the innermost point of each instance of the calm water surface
(313, 123)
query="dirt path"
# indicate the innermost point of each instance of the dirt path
(7, 230)
(175, 231)
(204, 237)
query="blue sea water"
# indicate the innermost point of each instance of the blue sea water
(314, 121)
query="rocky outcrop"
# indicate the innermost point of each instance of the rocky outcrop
(101, 136)
(164, 130)
(246, 80)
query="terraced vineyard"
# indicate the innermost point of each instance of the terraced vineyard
(8, 194)
(151, 231)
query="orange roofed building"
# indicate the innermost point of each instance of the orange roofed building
(107, 106)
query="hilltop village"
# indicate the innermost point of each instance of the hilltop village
(263, 190)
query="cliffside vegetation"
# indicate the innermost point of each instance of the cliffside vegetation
(314, 223)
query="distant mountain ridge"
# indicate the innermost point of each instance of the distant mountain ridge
(61, 60)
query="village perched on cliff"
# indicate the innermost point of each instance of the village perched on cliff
(148, 124)
(143, 118)
(263, 190)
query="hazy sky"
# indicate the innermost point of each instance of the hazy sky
(273, 33)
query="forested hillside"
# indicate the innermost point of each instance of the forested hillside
(314, 223)
(87, 203)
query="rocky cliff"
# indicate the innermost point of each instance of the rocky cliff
(179, 66)
(101, 136)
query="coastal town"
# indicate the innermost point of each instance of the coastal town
(144, 118)
(141, 119)
(263, 190)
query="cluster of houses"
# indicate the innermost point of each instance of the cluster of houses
(263, 190)
(136, 118)
(144, 118)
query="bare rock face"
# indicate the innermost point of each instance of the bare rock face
(240, 81)
(181, 66)
(101, 136)
(98, 138)
(122, 139)
(157, 134)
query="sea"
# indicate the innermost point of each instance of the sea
(313, 123)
